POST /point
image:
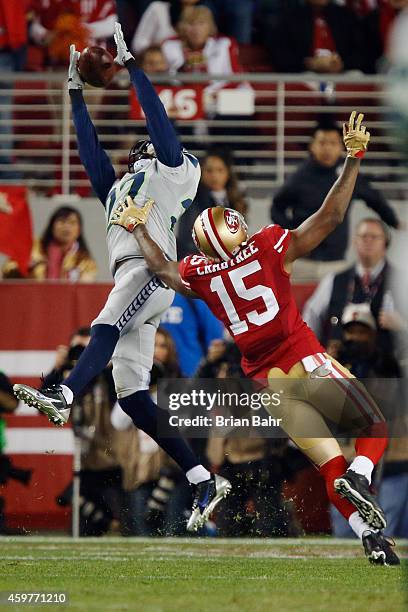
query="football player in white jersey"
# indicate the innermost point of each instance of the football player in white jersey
(160, 171)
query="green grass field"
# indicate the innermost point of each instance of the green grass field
(160, 575)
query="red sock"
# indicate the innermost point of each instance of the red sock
(373, 447)
(330, 471)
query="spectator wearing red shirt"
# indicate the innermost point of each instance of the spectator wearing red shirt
(158, 23)
(13, 44)
(319, 36)
(198, 48)
(13, 34)
(377, 27)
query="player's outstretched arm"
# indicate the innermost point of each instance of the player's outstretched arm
(161, 131)
(317, 227)
(95, 160)
(133, 219)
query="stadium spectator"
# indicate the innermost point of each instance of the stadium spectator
(13, 46)
(166, 359)
(199, 49)
(159, 22)
(368, 282)
(212, 361)
(56, 25)
(218, 187)
(305, 190)
(193, 328)
(13, 35)
(153, 61)
(61, 253)
(67, 355)
(359, 349)
(377, 27)
(318, 36)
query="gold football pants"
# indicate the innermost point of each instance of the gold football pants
(309, 400)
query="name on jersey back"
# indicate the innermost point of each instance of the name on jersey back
(243, 255)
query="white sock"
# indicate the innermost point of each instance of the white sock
(362, 465)
(358, 525)
(67, 393)
(197, 474)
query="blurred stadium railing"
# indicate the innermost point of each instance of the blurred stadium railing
(37, 140)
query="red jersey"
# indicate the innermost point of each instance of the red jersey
(251, 294)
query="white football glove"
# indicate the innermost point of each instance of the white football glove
(74, 80)
(123, 54)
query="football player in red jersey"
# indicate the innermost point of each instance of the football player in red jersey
(246, 283)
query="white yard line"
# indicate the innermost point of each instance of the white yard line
(128, 545)
(144, 558)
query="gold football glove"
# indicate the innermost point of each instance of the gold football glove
(128, 215)
(355, 136)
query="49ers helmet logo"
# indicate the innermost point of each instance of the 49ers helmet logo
(232, 221)
(219, 232)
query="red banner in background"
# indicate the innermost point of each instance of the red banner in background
(180, 102)
(40, 316)
(15, 225)
(36, 318)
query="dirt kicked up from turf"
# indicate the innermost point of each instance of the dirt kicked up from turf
(165, 575)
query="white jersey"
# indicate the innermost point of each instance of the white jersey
(173, 191)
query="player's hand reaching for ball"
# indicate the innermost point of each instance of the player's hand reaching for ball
(355, 136)
(128, 215)
(74, 80)
(122, 52)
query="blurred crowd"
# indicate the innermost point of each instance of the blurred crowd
(329, 36)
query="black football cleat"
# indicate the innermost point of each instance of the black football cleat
(356, 489)
(50, 401)
(378, 549)
(207, 495)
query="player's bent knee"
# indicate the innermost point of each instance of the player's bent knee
(122, 393)
(129, 376)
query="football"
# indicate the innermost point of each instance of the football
(96, 66)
